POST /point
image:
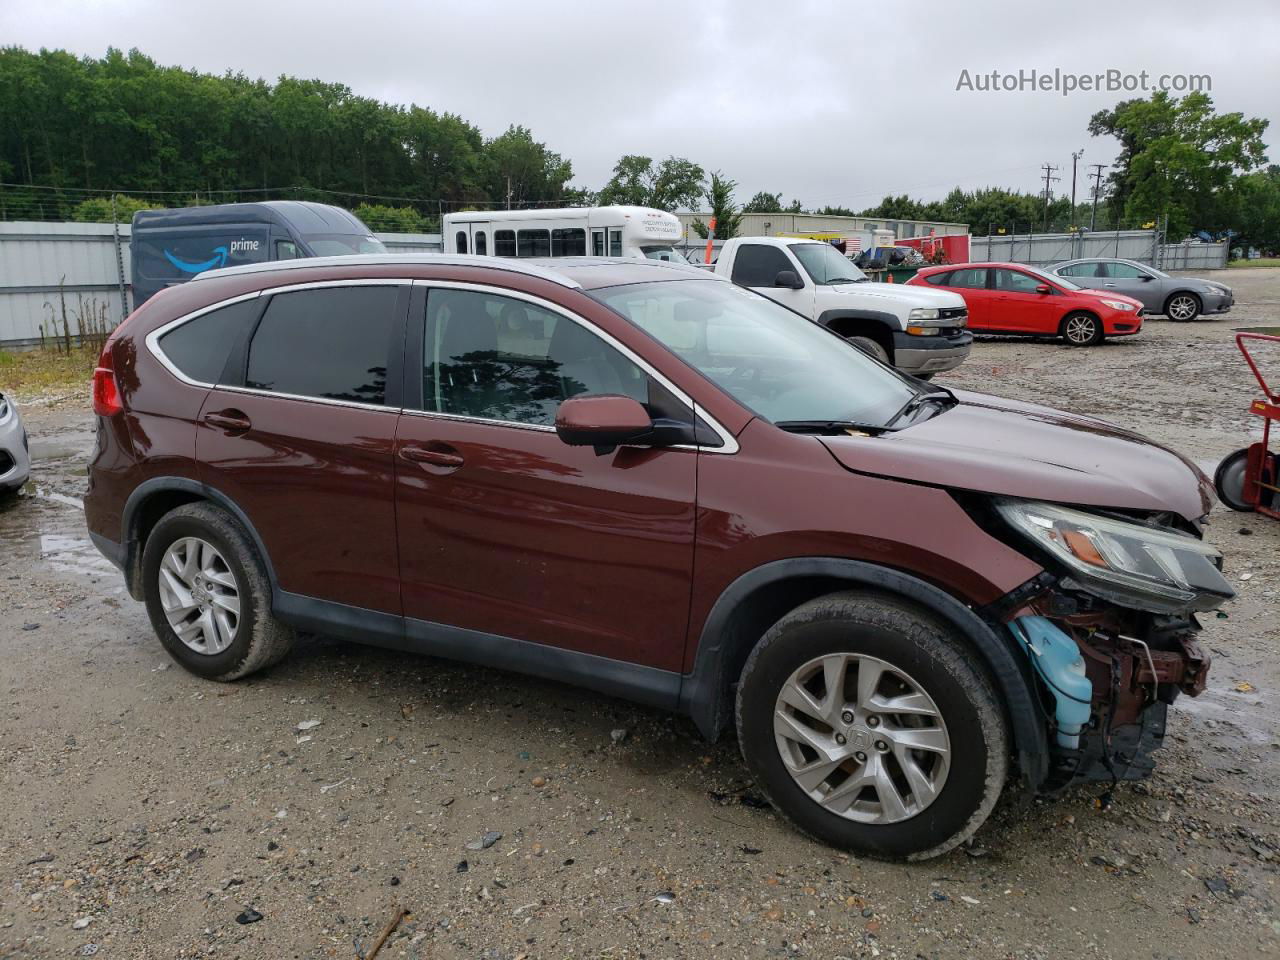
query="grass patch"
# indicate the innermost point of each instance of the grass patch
(45, 373)
(1261, 262)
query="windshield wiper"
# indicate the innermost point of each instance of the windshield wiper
(829, 428)
(940, 395)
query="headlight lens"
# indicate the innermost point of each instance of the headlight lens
(1118, 305)
(919, 331)
(923, 313)
(1157, 570)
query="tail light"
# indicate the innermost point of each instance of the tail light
(106, 392)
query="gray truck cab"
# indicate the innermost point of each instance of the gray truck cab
(171, 246)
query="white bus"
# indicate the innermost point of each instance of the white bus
(573, 232)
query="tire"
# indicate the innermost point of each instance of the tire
(230, 566)
(1228, 480)
(873, 348)
(1080, 329)
(916, 652)
(1183, 307)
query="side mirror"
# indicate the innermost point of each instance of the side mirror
(1043, 288)
(603, 421)
(1147, 278)
(789, 279)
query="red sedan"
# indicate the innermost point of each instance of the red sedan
(1016, 298)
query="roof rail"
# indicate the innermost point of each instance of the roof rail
(384, 259)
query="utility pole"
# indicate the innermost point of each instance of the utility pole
(1049, 171)
(1097, 189)
(1074, 159)
(508, 191)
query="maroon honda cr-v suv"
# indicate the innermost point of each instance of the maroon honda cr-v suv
(642, 479)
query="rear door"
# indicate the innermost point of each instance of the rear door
(971, 283)
(507, 531)
(299, 434)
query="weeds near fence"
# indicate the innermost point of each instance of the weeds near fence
(47, 372)
(93, 322)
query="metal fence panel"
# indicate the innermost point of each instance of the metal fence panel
(1046, 249)
(45, 266)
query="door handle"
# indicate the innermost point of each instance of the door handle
(435, 457)
(233, 421)
(1108, 284)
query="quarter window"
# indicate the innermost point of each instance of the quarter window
(533, 243)
(758, 265)
(331, 343)
(569, 242)
(200, 347)
(498, 358)
(504, 243)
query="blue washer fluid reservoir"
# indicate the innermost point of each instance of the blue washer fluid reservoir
(1057, 659)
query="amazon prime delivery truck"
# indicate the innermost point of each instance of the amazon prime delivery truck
(171, 246)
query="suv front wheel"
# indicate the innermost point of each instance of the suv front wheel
(871, 729)
(208, 595)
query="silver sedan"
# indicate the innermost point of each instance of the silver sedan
(1178, 298)
(15, 463)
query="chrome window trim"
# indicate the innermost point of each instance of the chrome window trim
(329, 401)
(511, 265)
(730, 442)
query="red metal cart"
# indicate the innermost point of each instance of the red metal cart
(1249, 479)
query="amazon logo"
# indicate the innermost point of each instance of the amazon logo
(219, 258)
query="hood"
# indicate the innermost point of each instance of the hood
(992, 445)
(1103, 294)
(901, 293)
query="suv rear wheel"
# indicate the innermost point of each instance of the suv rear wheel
(869, 728)
(208, 595)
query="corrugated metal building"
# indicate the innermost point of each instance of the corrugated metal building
(772, 224)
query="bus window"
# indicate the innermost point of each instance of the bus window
(533, 243)
(597, 243)
(481, 244)
(569, 242)
(504, 243)
(615, 242)
(460, 239)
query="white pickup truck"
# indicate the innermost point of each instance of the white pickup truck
(919, 331)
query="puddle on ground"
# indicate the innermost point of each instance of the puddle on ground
(69, 554)
(1246, 713)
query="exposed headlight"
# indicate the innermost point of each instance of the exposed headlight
(1118, 304)
(1158, 570)
(923, 313)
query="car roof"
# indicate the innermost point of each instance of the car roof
(586, 273)
(304, 216)
(979, 266)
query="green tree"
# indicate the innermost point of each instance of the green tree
(98, 209)
(1180, 159)
(1257, 204)
(391, 219)
(764, 203)
(519, 170)
(673, 184)
(719, 197)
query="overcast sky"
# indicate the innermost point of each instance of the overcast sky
(829, 102)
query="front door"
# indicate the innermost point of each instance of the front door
(1020, 307)
(300, 437)
(1133, 281)
(757, 265)
(506, 530)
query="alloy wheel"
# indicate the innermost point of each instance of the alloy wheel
(199, 595)
(1081, 329)
(1182, 308)
(861, 738)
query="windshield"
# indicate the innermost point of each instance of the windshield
(663, 251)
(342, 244)
(825, 264)
(773, 361)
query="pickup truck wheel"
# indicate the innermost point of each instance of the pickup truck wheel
(871, 729)
(1081, 329)
(208, 595)
(869, 346)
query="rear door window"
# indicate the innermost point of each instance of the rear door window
(971, 279)
(199, 348)
(332, 344)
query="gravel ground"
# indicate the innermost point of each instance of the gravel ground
(154, 815)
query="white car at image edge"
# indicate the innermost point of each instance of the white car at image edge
(15, 463)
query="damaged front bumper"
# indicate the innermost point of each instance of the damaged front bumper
(1104, 692)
